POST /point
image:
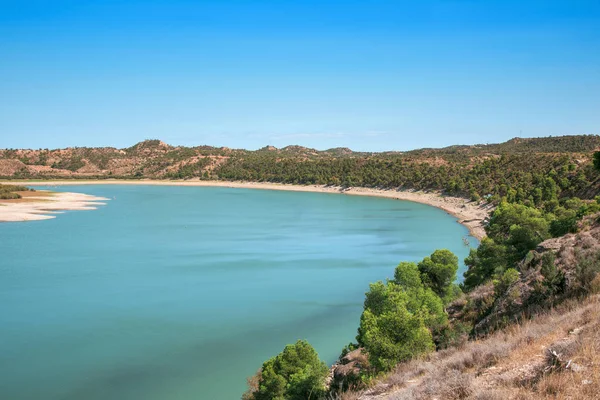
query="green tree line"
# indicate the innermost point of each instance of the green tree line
(406, 317)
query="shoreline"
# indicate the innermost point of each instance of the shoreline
(45, 205)
(469, 214)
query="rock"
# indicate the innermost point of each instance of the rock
(346, 373)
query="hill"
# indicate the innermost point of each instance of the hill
(518, 165)
(524, 349)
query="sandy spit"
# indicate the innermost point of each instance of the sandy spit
(470, 214)
(47, 205)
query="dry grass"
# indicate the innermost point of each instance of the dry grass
(578, 372)
(511, 364)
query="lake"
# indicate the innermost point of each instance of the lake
(182, 292)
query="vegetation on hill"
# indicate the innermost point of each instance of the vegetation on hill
(407, 318)
(554, 356)
(540, 251)
(401, 316)
(519, 177)
(556, 144)
(528, 171)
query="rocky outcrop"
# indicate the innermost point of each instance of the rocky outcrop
(10, 167)
(345, 374)
(559, 268)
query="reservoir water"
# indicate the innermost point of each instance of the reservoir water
(182, 292)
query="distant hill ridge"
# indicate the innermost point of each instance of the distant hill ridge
(466, 170)
(568, 143)
(554, 144)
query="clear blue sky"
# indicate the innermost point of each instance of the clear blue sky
(370, 75)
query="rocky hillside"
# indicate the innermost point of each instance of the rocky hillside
(554, 356)
(156, 159)
(151, 158)
(537, 336)
(148, 159)
(560, 268)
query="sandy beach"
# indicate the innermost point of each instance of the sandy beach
(470, 214)
(45, 205)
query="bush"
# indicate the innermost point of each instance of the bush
(488, 260)
(597, 160)
(9, 196)
(7, 192)
(564, 225)
(509, 277)
(296, 373)
(452, 335)
(399, 316)
(439, 271)
(72, 164)
(393, 333)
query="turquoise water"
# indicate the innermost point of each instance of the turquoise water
(182, 292)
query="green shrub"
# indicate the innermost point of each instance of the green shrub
(296, 373)
(507, 279)
(9, 196)
(597, 160)
(399, 316)
(390, 330)
(7, 192)
(439, 271)
(564, 225)
(483, 263)
(452, 335)
(71, 164)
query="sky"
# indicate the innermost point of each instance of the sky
(369, 75)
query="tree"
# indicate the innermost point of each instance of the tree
(407, 275)
(483, 263)
(399, 316)
(519, 227)
(597, 160)
(438, 271)
(296, 373)
(391, 329)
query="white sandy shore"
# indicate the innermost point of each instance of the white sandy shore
(44, 205)
(470, 214)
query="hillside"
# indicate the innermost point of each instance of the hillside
(554, 356)
(423, 336)
(536, 336)
(513, 169)
(524, 348)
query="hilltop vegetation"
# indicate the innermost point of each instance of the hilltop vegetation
(525, 170)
